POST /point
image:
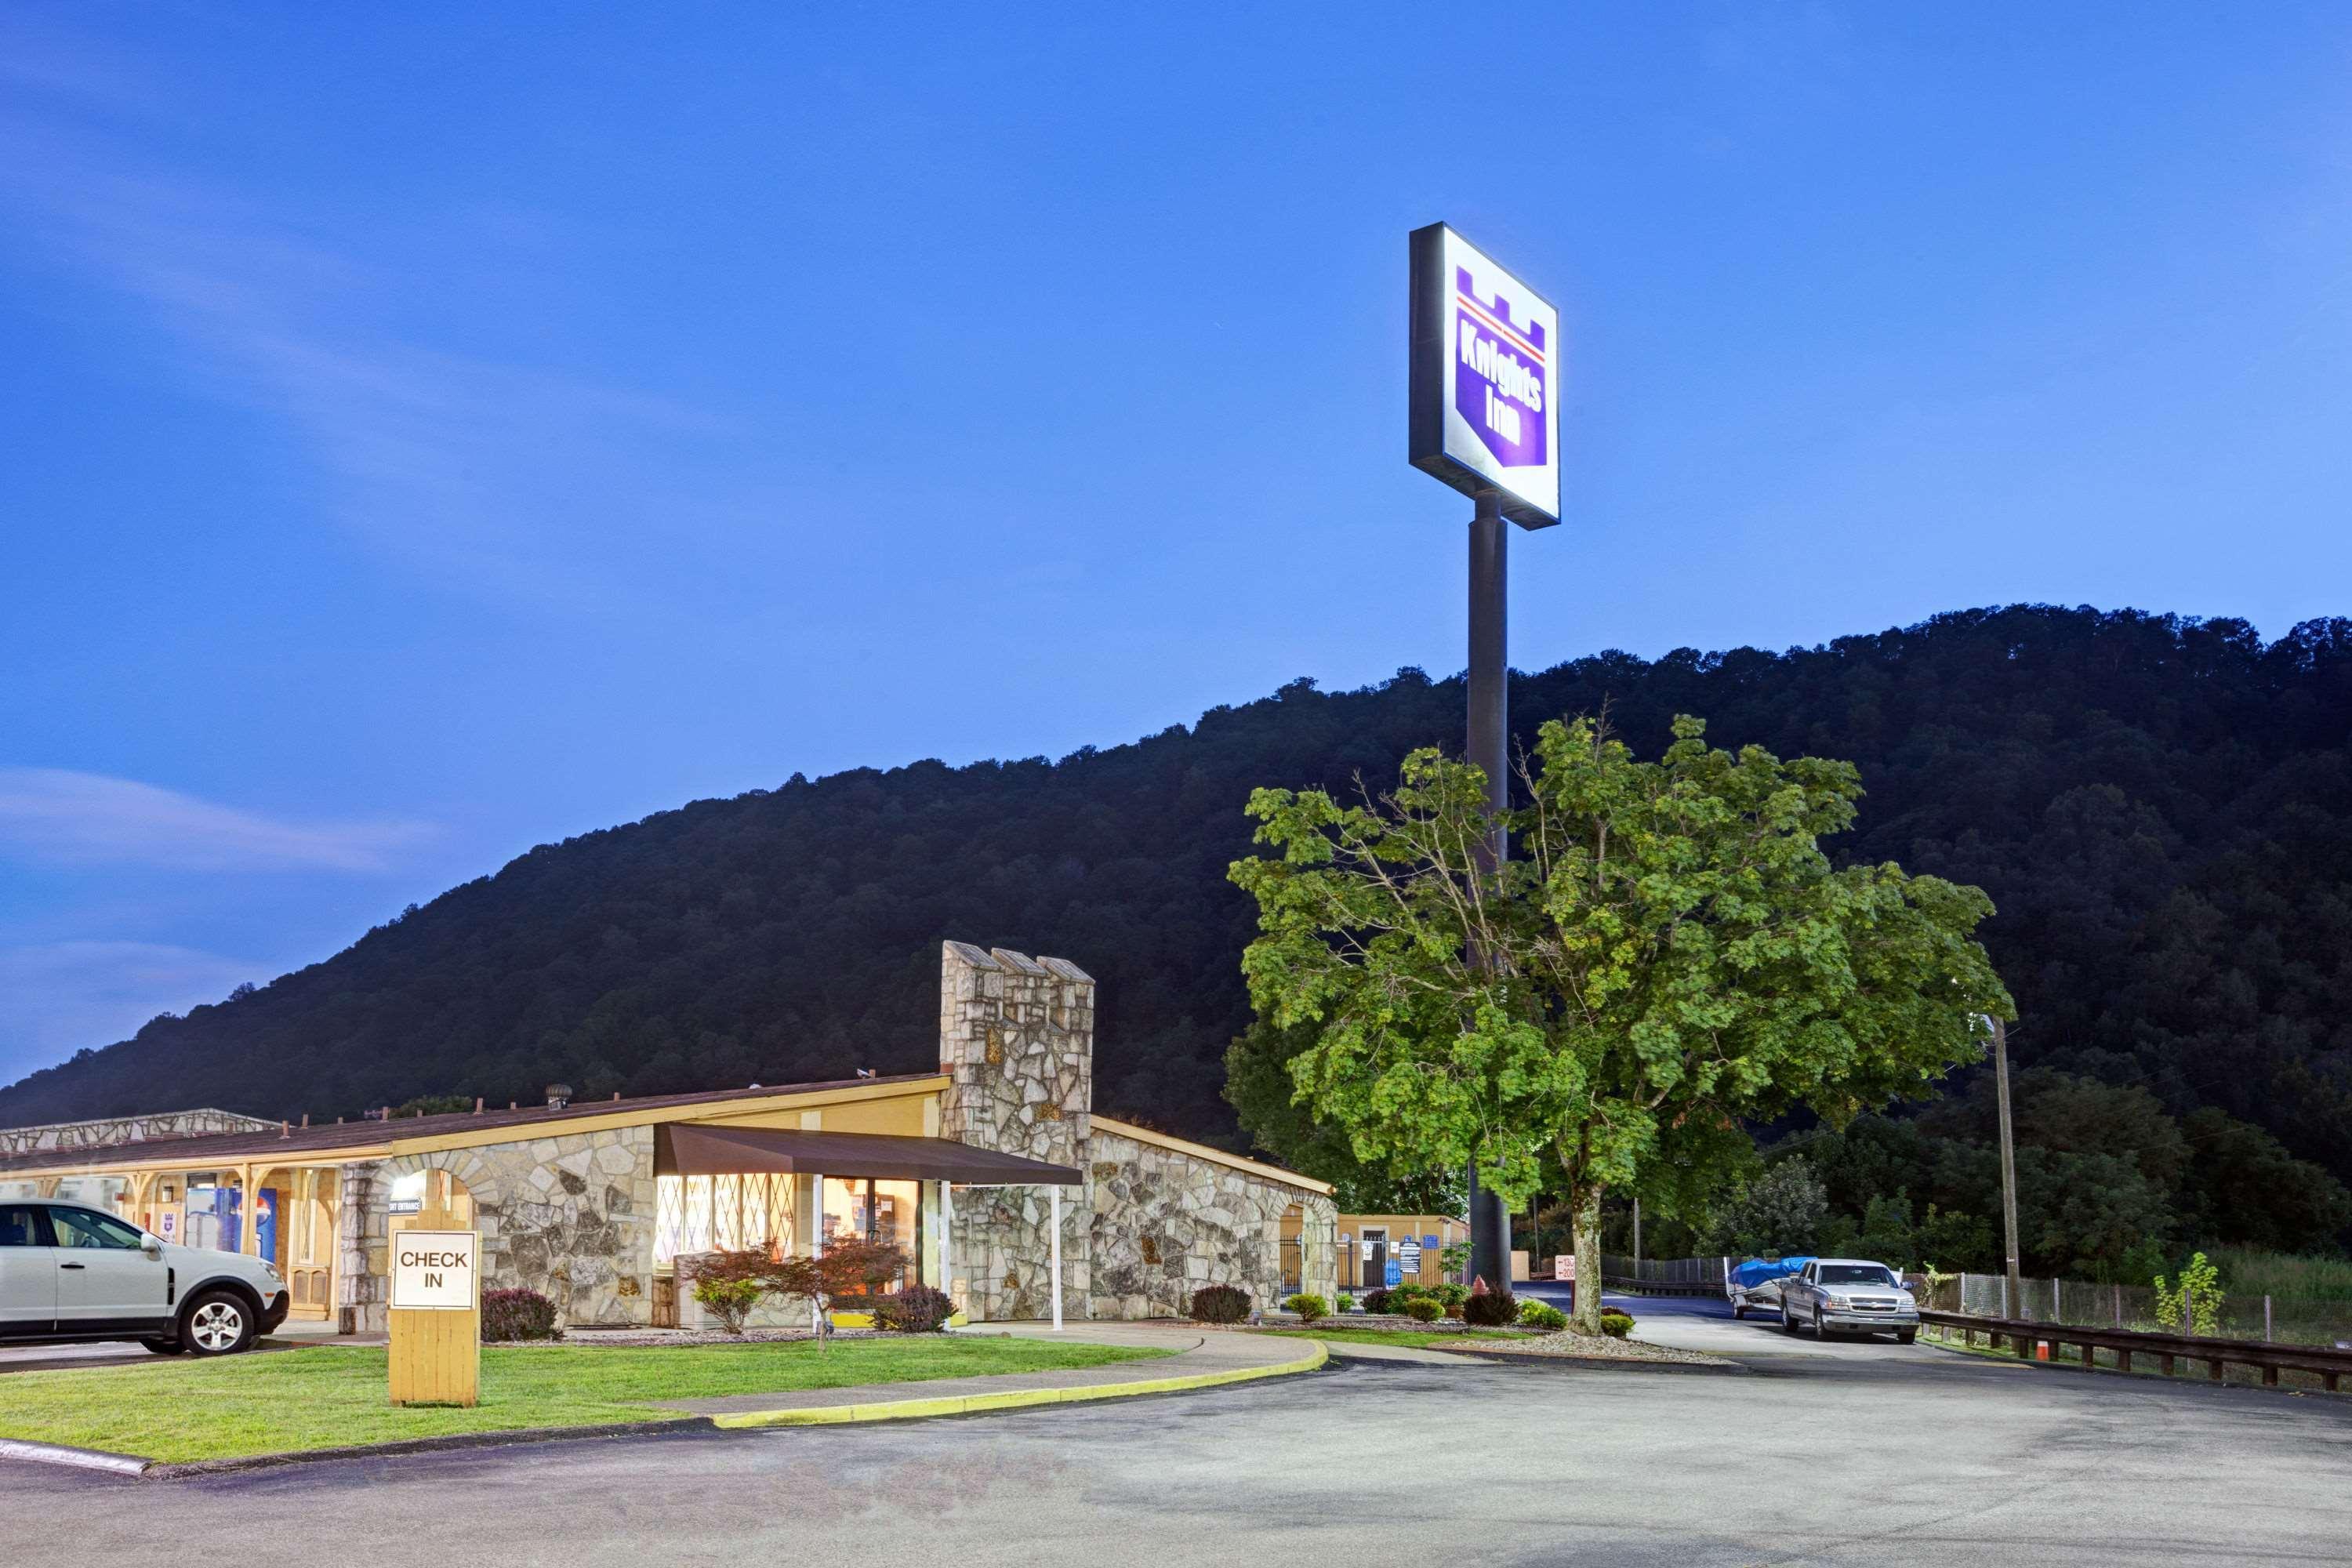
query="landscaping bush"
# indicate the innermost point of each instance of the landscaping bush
(1616, 1325)
(917, 1309)
(1308, 1306)
(509, 1315)
(1382, 1300)
(1347, 1303)
(1490, 1308)
(1220, 1304)
(728, 1300)
(1398, 1295)
(1453, 1293)
(1535, 1314)
(1423, 1309)
(1454, 1310)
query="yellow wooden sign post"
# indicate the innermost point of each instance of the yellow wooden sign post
(436, 1311)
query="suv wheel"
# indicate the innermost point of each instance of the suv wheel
(164, 1347)
(216, 1323)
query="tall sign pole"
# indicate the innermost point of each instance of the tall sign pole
(1485, 419)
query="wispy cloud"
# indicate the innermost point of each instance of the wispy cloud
(57, 997)
(64, 817)
(503, 478)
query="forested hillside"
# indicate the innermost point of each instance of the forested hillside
(2160, 808)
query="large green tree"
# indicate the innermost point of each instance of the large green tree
(1667, 954)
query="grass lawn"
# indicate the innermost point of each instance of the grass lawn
(332, 1396)
(1412, 1339)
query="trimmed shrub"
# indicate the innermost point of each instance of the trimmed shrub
(1535, 1314)
(1380, 1301)
(1423, 1309)
(1399, 1294)
(1308, 1306)
(1453, 1293)
(917, 1309)
(1454, 1310)
(1491, 1310)
(728, 1300)
(1220, 1304)
(509, 1315)
(1347, 1303)
(1616, 1325)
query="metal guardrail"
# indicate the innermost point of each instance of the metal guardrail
(2025, 1337)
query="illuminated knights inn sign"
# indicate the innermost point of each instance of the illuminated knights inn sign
(1484, 378)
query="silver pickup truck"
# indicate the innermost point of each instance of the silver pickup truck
(1848, 1296)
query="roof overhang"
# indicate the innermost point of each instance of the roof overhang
(687, 1148)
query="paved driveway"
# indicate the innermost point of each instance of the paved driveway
(1866, 1455)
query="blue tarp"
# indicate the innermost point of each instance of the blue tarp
(1756, 1271)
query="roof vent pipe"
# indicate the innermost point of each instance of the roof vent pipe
(559, 1095)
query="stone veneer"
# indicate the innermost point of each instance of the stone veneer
(1016, 1042)
(1164, 1223)
(1150, 1226)
(570, 1216)
(110, 1131)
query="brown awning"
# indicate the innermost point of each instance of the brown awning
(681, 1149)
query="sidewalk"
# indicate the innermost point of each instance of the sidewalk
(1200, 1361)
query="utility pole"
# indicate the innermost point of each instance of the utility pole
(2016, 1300)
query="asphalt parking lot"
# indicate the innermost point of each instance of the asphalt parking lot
(1851, 1453)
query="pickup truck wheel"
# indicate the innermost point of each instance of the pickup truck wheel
(164, 1347)
(1787, 1323)
(1819, 1331)
(216, 1323)
(1906, 1336)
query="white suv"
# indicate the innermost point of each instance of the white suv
(67, 1272)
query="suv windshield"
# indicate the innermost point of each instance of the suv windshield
(1855, 1274)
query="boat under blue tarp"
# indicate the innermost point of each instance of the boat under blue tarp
(1756, 1271)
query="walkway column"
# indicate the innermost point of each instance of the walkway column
(249, 1213)
(947, 1244)
(816, 1246)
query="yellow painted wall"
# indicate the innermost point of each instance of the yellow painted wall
(1447, 1229)
(906, 1116)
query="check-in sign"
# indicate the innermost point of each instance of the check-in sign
(436, 1270)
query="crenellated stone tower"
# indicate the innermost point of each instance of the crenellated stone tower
(1016, 1042)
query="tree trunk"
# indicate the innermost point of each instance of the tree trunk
(1586, 1318)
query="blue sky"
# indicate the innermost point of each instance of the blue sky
(432, 431)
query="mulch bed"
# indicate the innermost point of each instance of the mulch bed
(639, 1338)
(1387, 1322)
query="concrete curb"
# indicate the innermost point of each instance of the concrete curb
(457, 1440)
(79, 1458)
(1011, 1399)
(158, 1470)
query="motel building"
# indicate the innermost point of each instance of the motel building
(595, 1204)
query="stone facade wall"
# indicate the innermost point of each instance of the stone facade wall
(571, 1216)
(110, 1131)
(1150, 1226)
(1016, 1042)
(1164, 1223)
